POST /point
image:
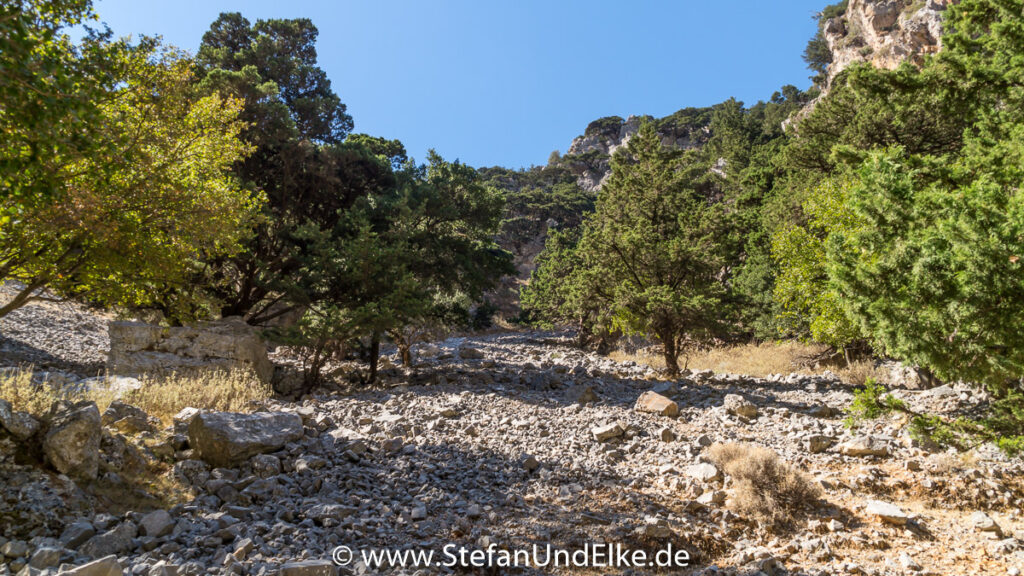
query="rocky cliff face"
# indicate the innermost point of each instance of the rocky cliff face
(884, 32)
(589, 156)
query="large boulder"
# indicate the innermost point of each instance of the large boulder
(224, 439)
(229, 343)
(72, 440)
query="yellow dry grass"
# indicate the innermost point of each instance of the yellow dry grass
(757, 360)
(161, 395)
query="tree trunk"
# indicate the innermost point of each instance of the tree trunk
(20, 299)
(374, 357)
(671, 356)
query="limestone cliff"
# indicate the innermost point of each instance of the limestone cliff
(589, 155)
(883, 33)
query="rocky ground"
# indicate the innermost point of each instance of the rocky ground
(507, 439)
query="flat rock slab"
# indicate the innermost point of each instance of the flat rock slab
(865, 446)
(886, 512)
(224, 439)
(107, 566)
(655, 403)
(309, 568)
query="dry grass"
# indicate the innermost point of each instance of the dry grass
(759, 361)
(165, 395)
(764, 487)
(161, 395)
(36, 398)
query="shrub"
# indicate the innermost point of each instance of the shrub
(764, 487)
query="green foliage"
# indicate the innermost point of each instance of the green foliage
(391, 151)
(130, 225)
(607, 126)
(419, 253)
(648, 255)
(871, 402)
(297, 126)
(929, 268)
(817, 54)
(809, 303)
(52, 90)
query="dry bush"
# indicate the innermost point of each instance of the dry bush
(161, 395)
(645, 356)
(164, 395)
(859, 371)
(763, 485)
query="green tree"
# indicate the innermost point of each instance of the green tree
(130, 224)
(653, 246)
(810, 305)
(52, 90)
(301, 162)
(419, 253)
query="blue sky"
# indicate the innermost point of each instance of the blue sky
(503, 82)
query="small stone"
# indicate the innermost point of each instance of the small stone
(309, 568)
(162, 568)
(909, 563)
(654, 403)
(76, 534)
(45, 557)
(265, 465)
(14, 549)
(913, 466)
(530, 463)
(72, 443)
(106, 566)
(20, 424)
(704, 472)
(739, 406)
(865, 446)
(818, 443)
(984, 523)
(667, 434)
(115, 541)
(156, 524)
(704, 440)
(607, 432)
(418, 513)
(474, 511)
(886, 512)
(243, 548)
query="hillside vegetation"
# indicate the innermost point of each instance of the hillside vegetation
(880, 216)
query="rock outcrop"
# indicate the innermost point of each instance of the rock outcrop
(589, 155)
(224, 439)
(883, 32)
(72, 440)
(230, 343)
